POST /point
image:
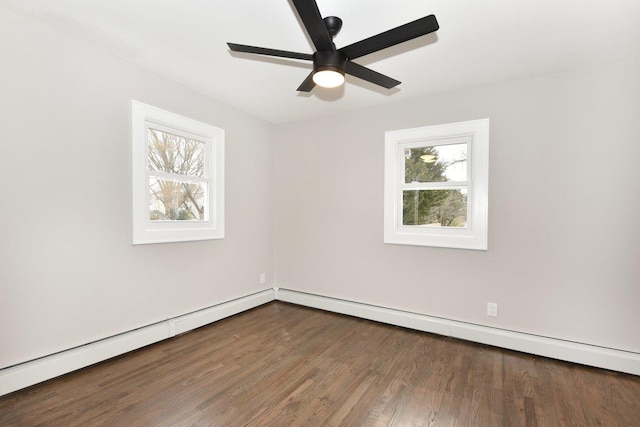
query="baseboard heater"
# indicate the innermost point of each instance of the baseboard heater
(30, 373)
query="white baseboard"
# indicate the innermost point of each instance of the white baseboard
(600, 357)
(33, 372)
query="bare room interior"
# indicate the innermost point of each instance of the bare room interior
(307, 277)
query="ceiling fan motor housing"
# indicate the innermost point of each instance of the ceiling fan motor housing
(324, 60)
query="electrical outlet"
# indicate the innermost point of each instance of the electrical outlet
(263, 278)
(492, 309)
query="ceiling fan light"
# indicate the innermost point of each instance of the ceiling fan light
(328, 78)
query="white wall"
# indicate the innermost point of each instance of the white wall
(564, 194)
(68, 272)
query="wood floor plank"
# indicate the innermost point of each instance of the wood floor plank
(286, 365)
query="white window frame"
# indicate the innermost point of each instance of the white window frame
(147, 231)
(475, 134)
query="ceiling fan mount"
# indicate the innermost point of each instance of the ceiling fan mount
(333, 24)
(329, 63)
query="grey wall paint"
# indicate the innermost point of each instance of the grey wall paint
(68, 272)
(564, 209)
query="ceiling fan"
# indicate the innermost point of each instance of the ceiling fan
(330, 64)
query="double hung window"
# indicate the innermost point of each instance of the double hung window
(436, 185)
(178, 179)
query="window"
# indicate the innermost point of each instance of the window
(436, 185)
(177, 177)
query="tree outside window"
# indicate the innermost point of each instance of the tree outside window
(175, 195)
(433, 206)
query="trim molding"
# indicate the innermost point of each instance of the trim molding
(33, 372)
(585, 354)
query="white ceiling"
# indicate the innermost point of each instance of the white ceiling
(479, 42)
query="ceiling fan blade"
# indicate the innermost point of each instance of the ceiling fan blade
(269, 52)
(307, 84)
(317, 30)
(369, 75)
(397, 35)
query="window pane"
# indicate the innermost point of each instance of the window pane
(174, 154)
(435, 208)
(436, 163)
(176, 200)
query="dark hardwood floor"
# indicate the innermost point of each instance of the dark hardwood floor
(285, 365)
